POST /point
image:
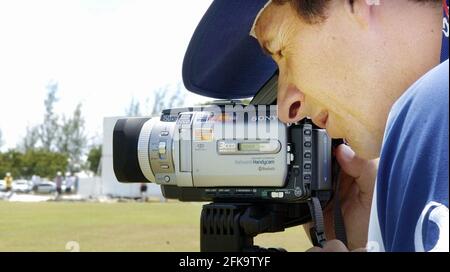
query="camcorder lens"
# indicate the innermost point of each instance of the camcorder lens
(125, 151)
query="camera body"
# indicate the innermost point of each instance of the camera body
(225, 153)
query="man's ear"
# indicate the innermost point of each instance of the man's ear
(360, 11)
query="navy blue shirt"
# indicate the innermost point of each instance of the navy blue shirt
(410, 206)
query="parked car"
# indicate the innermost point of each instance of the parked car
(45, 187)
(22, 186)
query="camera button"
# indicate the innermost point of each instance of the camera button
(307, 132)
(307, 166)
(164, 133)
(307, 155)
(277, 194)
(307, 144)
(166, 178)
(307, 177)
(164, 166)
(162, 148)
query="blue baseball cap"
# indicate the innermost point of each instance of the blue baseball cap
(222, 59)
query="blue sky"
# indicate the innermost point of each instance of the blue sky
(100, 52)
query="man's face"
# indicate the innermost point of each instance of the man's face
(322, 75)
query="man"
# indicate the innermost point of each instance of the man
(143, 189)
(58, 183)
(345, 64)
(69, 181)
(8, 182)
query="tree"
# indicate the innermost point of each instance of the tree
(43, 163)
(175, 98)
(31, 139)
(158, 102)
(134, 109)
(11, 161)
(1, 139)
(49, 128)
(94, 157)
(34, 162)
(58, 144)
(72, 139)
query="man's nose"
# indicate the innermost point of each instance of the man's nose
(289, 100)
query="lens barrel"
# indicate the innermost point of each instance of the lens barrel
(125, 150)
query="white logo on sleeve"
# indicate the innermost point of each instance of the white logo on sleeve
(438, 215)
(445, 27)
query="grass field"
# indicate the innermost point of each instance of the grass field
(172, 226)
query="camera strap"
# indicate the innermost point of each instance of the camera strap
(317, 231)
(339, 226)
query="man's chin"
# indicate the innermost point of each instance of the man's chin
(367, 150)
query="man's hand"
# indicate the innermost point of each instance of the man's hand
(357, 182)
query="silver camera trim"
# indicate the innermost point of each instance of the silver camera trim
(143, 149)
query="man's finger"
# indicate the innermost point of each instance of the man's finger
(330, 246)
(349, 162)
(315, 249)
(334, 246)
(363, 171)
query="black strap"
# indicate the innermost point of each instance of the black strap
(339, 226)
(317, 232)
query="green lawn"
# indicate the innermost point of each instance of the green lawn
(171, 226)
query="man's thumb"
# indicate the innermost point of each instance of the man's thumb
(349, 162)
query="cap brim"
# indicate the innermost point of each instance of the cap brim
(222, 59)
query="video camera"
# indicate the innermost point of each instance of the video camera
(261, 175)
(226, 152)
